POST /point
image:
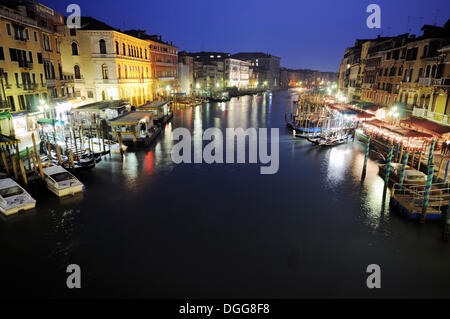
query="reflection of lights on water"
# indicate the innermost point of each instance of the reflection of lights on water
(373, 202)
(338, 157)
(130, 170)
(148, 163)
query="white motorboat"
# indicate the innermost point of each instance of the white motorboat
(61, 182)
(13, 198)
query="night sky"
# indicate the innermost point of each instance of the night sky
(305, 34)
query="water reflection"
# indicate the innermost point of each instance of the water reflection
(143, 215)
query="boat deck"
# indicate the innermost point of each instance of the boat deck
(412, 209)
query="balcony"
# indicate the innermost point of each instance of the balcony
(51, 82)
(158, 63)
(430, 82)
(166, 78)
(25, 65)
(30, 86)
(106, 81)
(431, 116)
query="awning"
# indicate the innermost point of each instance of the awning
(430, 127)
(364, 115)
(5, 115)
(376, 122)
(46, 121)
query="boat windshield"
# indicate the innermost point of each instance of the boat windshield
(10, 191)
(63, 176)
(411, 177)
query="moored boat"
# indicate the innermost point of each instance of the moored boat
(60, 182)
(13, 198)
(412, 176)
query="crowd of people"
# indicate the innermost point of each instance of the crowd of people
(445, 148)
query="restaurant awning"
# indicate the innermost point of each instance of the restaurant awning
(430, 127)
(46, 121)
(5, 115)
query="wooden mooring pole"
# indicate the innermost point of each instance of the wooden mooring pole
(5, 163)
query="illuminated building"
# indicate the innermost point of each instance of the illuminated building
(29, 63)
(107, 64)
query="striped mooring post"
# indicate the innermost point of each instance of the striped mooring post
(426, 196)
(446, 172)
(430, 154)
(430, 161)
(402, 171)
(447, 224)
(397, 151)
(366, 155)
(388, 165)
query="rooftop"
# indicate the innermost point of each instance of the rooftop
(252, 55)
(89, 23)
(115, 104)
(131, 117)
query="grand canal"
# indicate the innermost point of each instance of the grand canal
(146, 227)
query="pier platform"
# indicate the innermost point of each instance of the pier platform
(412, 209)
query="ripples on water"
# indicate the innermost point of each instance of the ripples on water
(146, 227)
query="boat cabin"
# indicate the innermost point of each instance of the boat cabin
(159, 109)
(103, 110)
(13, 198)
(60, 182)
(133, 126)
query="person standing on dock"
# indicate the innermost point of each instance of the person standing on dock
(444, 148)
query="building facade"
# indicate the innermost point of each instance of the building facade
(185, 73)
(265, 68)
(30, 59)
(405, 71)
(164, 63)
(107, 64)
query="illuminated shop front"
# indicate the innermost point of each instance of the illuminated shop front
(20, 123)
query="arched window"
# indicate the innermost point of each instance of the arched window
(76, 71)
(117, 48)
(126, 72)
(124, 52)
(119, 74)
(102, 44)
(433, 71)
(105, 71)
(427, 71)
(74, 48)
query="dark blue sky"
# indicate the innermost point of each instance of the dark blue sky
(305, 34)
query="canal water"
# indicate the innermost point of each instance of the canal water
(148, 228)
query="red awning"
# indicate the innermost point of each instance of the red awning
(428, 126)
(376, 122)
(364, 115)
(374, 108)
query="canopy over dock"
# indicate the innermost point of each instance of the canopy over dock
(132, 118)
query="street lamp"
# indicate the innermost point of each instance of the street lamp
(393, 113)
